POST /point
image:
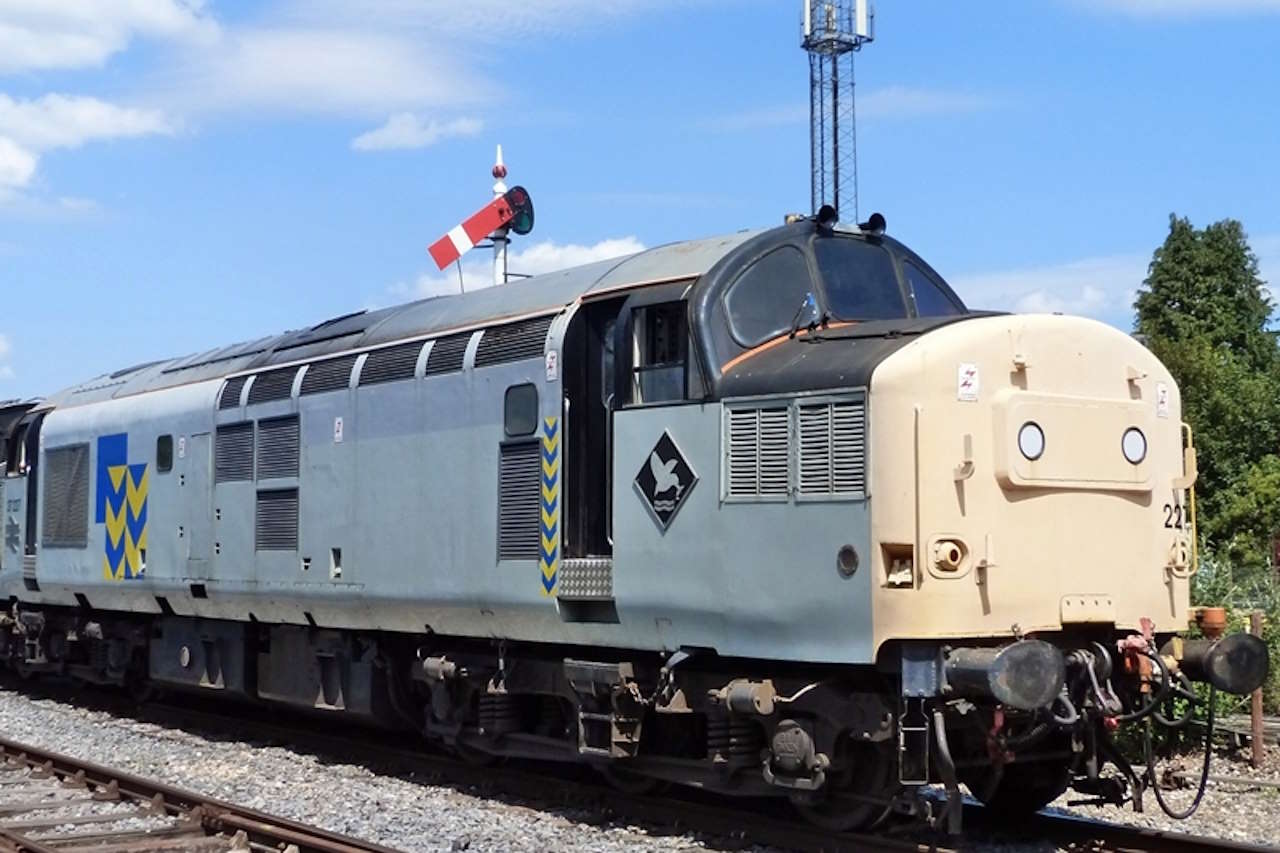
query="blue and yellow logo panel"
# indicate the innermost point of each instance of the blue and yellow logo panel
(122, 506)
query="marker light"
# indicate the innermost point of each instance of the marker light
(1134, 445)
(1031, 440)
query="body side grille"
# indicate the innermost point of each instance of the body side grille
(331, 375)
(448, 353)
(519, 500)
(66, 497)
(278, 448)
(233, 453)
(230, 397)
(513, 342)
(392, 364)
(276, 520)
(272, 385)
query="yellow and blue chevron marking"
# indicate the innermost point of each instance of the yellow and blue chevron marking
(122, 507)
(549, 559)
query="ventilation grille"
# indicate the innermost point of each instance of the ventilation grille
(66, 497)
(832, 451)
(519, 501)
(230, 398)
(391, 364)
(331, 375)
(514, 342)
(276, 520)
(448, 353)
(272, 385)
(278, 448)
(233, 453)
(759, 453)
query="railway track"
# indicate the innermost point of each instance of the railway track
(757, 822)
(53, 803)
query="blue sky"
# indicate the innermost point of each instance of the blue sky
(177, 174)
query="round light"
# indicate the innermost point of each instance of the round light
(1134, 445)
(1031, 440)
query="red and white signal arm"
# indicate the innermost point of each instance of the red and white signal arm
(512, 209)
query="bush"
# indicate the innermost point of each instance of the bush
(1219, 583)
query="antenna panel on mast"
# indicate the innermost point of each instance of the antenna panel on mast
(833, 30)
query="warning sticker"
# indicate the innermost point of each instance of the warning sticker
(1162, 400)
(967, 382)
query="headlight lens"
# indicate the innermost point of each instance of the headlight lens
(1134, 445)
(1031, 440)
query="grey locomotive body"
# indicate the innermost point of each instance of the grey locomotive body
(622, 513)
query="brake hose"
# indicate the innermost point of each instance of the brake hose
(1204, 772)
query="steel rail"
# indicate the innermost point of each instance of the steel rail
(198, 822)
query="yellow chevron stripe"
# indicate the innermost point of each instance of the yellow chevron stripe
(549, 571)
(115, 524)
(548, 519)
(549, 544)
(107, 574)
(117, 476)
(137, 493)
(551, 469)
(549, 494)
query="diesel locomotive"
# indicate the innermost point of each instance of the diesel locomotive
(771, 513)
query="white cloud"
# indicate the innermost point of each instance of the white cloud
(1183, 8)
(890, 103)
(477, 267)
(47, 34)
(68, 121)
(321, 70)
(6, 371)
(17, 165)
(406, 130)
(1101, 287)
(30, 127)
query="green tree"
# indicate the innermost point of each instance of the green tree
(1204, 311)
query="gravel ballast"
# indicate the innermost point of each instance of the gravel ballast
(353, 800)
(407, 814)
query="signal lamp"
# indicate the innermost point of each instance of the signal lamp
(521, 209)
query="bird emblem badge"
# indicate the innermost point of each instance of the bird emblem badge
(664, 480)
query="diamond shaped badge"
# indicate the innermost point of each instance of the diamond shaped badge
(665, 480)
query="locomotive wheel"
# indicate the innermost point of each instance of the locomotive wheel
(865, 770)
(1021, 789)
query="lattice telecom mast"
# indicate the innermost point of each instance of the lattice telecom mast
(834, 30)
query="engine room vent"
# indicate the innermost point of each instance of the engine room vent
(66, 500)
(331, 375)
(230, 398)
(519, 500)
(233, 453)
(759, 456)
(278, 448)
(272, 385)
(392, 364)
(276, 520)
(832, 453)
(514, 341)
(448, 353)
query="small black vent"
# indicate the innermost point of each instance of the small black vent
(514, 342)
(331, 375)
(233, 453)
(278, 448)
(276, 520)
(230, 398)
(519, 500)
(272, 385)
(391, 364)
(447, 353)
(66, 498)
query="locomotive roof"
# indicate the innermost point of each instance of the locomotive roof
(425, 317)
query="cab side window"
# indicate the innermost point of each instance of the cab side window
(930, 299)
(762, 303)
(660, 354)
(16, 461)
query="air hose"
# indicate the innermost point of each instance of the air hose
(1204, 772)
